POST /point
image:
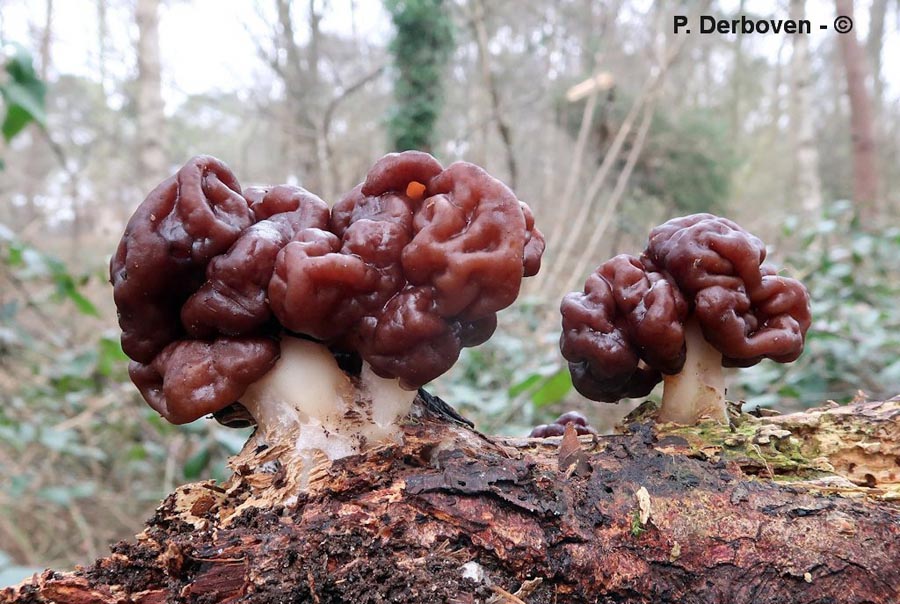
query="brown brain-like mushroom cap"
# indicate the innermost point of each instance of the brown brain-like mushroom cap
(193, 378)
(184, 222)
(189, 280)
(627, 328)
(409, 267)
(418, 262)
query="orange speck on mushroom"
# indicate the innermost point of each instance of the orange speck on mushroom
(415, 190)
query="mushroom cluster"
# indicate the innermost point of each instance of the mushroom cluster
(261, 296)
(700, 297)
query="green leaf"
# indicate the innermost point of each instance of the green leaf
(28, 96)
(18, 485)
(23, 93)
(18, 115)
(66, 288)
(553, 389)
(110, 356)
(197, 463)
(524, 385)
(137, 452)
(20, 65)
(57, 440)
(84, 306)
(15, 257)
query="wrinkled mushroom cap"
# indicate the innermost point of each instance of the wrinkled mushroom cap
(417, 263)
(407, 268)
(626, 329)
(190, 279)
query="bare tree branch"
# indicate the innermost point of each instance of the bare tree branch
(478, 23)
(612, 204)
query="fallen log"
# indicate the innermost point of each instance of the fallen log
(801, 508)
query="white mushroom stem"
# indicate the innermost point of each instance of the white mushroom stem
(306, 407)
(699, 389)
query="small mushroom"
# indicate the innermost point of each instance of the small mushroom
(558, 426)
(319, 324)
(699, 298)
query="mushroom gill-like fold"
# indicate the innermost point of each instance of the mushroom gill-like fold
(421, 261)
(190, 280)
(406, 269)
(745, 332)
(744, 309)
(409, 339)
(469, 243)
(705, 250)
(161, 259)
(534, 244)
(623, 331)
(233, 300)
(192, 378)
(698, 298)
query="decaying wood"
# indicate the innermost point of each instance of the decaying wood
(799, 508)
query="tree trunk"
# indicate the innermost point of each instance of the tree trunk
(862, 127)
(33, 167)
(660, 515)
(737, 75)
(807, 186)
(874, 46)
(150, 115)
(102, 46)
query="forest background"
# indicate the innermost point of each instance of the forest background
(593, 111)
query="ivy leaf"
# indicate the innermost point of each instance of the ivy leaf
(84, 306)
(110, 356)
(197, 463)
(23, 107)
(15, 257)
(524, 385)
(23, 93)
(553, 389)
(67, 288)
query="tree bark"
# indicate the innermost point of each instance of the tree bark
(656, 514)
(862, 127)
(150, 114)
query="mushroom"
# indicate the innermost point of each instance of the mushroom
(189, 280)
(417, 262)
(558, 426)
(699, 298)
(262, 305)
